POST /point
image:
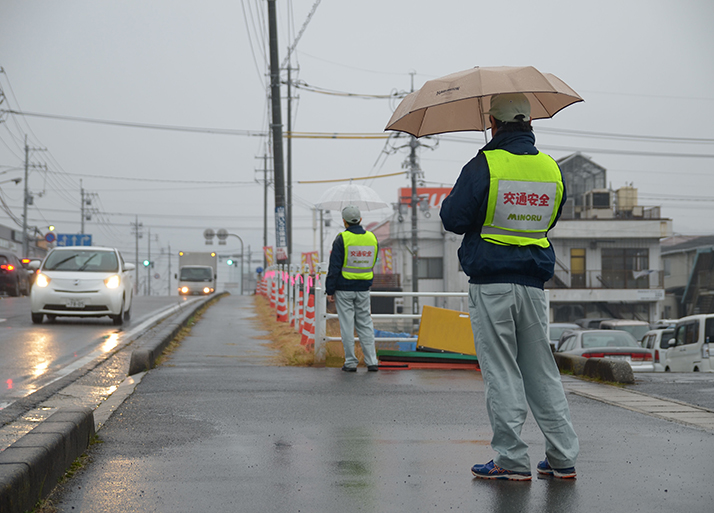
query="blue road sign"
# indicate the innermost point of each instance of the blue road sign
(50, 237)
(74, 239)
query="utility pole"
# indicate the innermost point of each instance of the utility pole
(136, 230)
(169, 255)
(414, 171)
(27, 198)
(148, 267)
(86, 199)
(281, 235)
(265, 208)
(289, 223)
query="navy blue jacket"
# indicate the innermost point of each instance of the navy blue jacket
(335, 280)
(464, 212)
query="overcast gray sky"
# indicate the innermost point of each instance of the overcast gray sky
(645, 68)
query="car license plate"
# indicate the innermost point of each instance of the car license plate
(74, 303)
(620, 357)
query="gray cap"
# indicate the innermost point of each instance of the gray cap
(508, 106)
(351, 214)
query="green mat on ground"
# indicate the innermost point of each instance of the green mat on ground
(423, 356)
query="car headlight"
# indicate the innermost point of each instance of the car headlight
(184, 290)
(42, 280)
(112, 282)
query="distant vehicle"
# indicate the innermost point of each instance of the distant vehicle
(83, 281)
(557, 329)
(31, 266)
(13, 277)
(612, 344)
(635, 328)
(197, 274)
(657, 341)
(690, 349)
(591, 324)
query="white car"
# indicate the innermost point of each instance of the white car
(83, 281)
(690, 350)
(657, 341)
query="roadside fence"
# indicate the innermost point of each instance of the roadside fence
(299, 298)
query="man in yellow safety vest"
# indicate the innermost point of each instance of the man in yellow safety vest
(504, 202)
(349, 278)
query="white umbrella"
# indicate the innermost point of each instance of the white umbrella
(361, 196)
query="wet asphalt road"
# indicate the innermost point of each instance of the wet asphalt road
(31, 355)
(216, 428)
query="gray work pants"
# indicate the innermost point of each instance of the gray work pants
(353, 312)
(511, 335)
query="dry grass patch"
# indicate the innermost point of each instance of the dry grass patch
(285, 341)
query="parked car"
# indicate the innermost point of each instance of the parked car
(613, 344)
(83, 281)
(657, 341)
(690, 350)
(635, 328)
(13, 277)
(557, 329)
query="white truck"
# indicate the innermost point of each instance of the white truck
(197, 273)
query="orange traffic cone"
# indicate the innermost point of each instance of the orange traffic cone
(282, 311)
(297, 320)
(308, 328)
(273, 290)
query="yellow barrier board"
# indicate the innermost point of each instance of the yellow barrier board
(447, 330)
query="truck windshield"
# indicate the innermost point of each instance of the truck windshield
(196, 274)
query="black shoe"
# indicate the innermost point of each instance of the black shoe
(372, 368)
(349, 369)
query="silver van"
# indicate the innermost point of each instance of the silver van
(689, 349)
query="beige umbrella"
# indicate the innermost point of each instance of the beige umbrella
(461, 101)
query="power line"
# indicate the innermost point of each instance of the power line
(159, 180)
(154, 126)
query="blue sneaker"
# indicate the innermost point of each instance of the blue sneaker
(561, 473)
(492, 471)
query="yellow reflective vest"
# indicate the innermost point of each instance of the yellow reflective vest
(525, 193)
(360, 255)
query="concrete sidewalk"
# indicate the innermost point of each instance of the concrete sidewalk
(217, 428)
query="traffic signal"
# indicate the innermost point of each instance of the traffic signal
(229, 261)
(147, 263)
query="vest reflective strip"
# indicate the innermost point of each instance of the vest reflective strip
(525, 191)
(492, 230)
(365, 244)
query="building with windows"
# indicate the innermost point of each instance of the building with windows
(607, 249)
(688, 264)
(11, 240)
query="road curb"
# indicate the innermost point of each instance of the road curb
(31, 467)
(599, 368)
(152, 344)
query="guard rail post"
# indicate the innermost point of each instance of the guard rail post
(305, 297)
(320, 316)
(291, 294)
